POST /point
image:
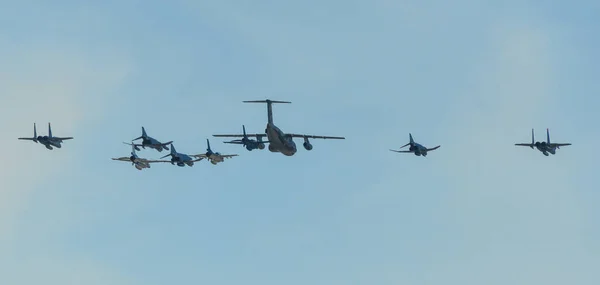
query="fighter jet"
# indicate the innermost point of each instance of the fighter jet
(214, 157)
(415, 148)
(139, 163)
(48, 141)
(249, 143)
(180, 159)
(150, 142)
(545, 147)
(277, 139)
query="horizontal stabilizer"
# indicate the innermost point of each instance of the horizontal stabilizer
(267, 101)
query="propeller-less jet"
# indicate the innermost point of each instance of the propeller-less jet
(139, 163)
(150, 142)
(213, 157)
(48, 141)
(277, 139)
(249, 143)
(415, 148)
(545, 147)
(180, 159)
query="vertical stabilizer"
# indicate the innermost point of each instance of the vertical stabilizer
(144, 132)
(548, 136)
(269, 107)
(34, 132)
(208, 143)
(244, 130)
(411, 138)
(532, 138)
(173, 151)
(49, 130)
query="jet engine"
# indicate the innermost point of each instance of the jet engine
(307, 144)
(261, 145)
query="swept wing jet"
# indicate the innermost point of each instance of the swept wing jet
(544, 147)
(277, 139)
(213, 157)
(151, 142)
(48, 141)
(415, 148)
(139, 163)
(180, 159)
(249, 143)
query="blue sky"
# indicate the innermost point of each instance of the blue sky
(474, 77)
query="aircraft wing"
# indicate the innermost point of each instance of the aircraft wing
(524, 144)
(122, 159)
(228, 155)
(401, 151)
(433, 148)
(559, 144)
(29, 139)
(64, 139)
(240, 136)
(315, 137)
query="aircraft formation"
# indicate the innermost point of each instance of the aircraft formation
(277, 140)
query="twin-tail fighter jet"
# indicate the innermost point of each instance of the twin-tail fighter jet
(277, 139)
(150, 142)
(415, 148)
(213, 157)
(139, 163)
(249, 143)
(180, 159)
(544, 147)
(48, 141)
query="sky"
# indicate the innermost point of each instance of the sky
(472, 76)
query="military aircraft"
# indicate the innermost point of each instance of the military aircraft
(415, 148)
(139, 163)
(214, 157)
(545, 147)
(49, 141)
(249, 143)
(278, 140)
(180, 159)
(150, 142)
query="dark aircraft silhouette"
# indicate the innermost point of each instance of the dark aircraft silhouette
(415, 148)
(277, 139)
(249, 143)
(544, 147)
(150, 142)
(180, 159)
(48, 141)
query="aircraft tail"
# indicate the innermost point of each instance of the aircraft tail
(548, 136)
(143, 134)
(411, 138)
(532, 138)
(173, 152)
(49, 130)
(269, 107)
(244, 130)
(34, 131)
(208, 143)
